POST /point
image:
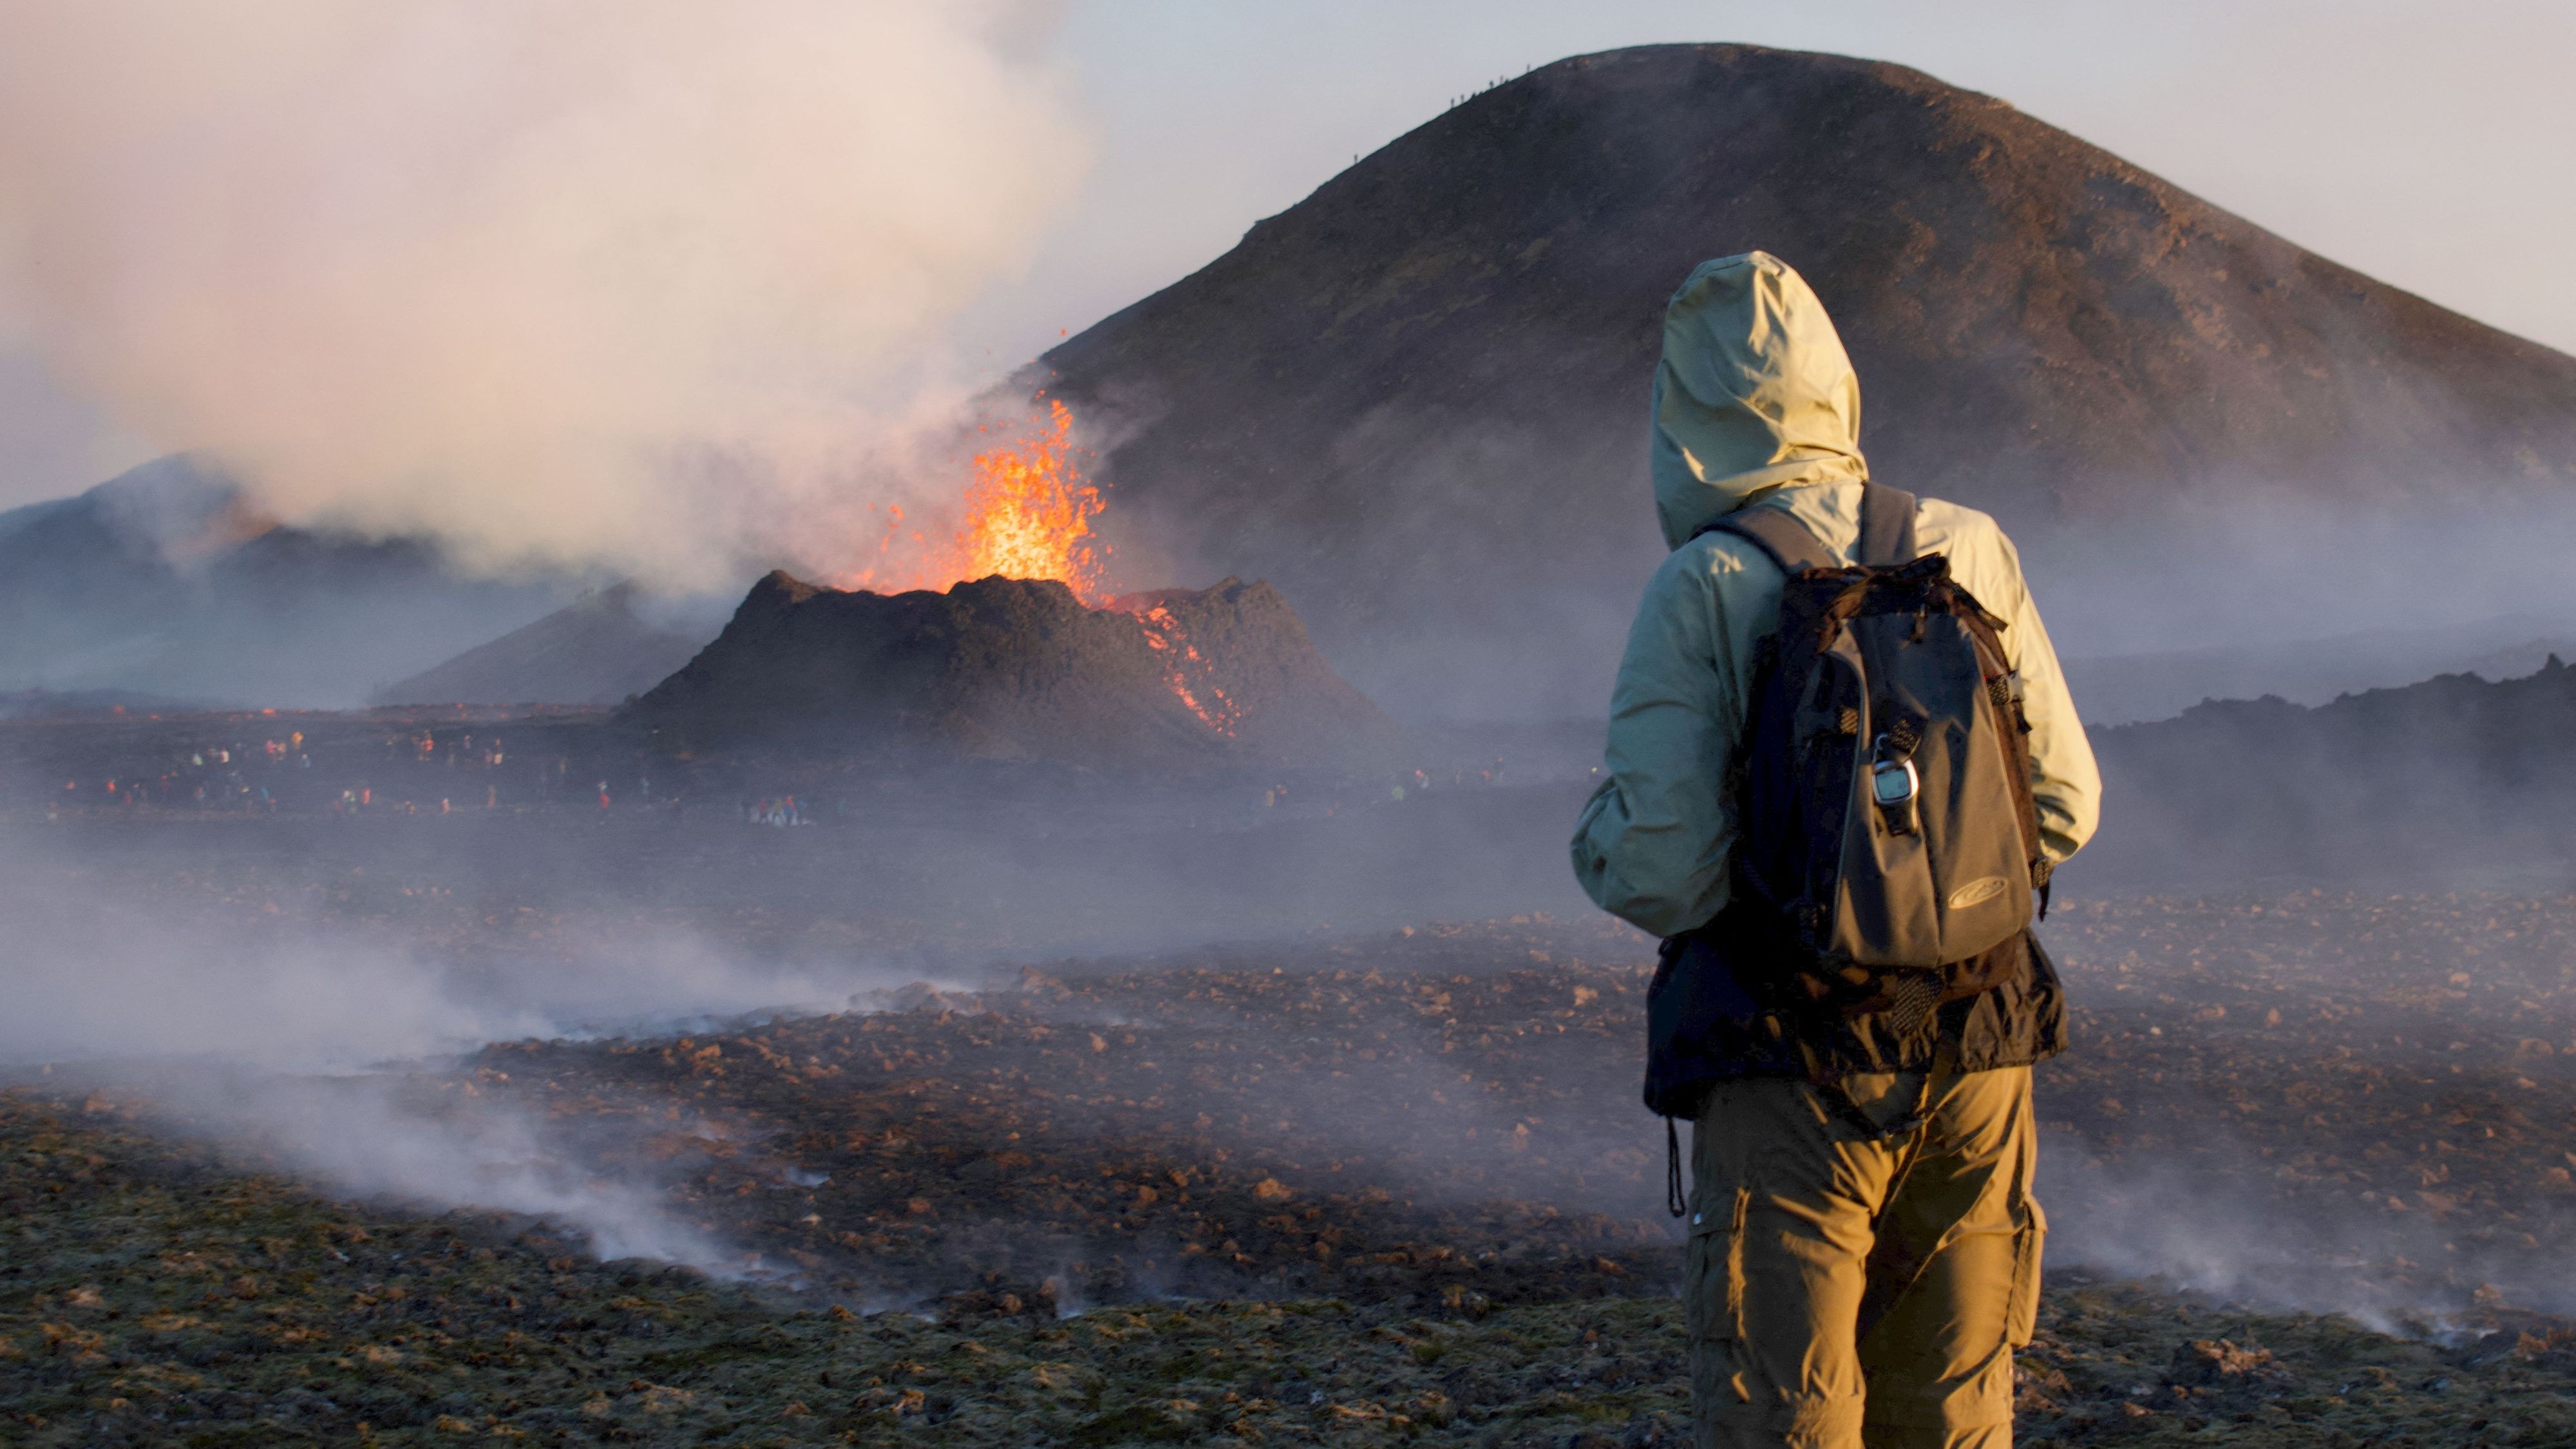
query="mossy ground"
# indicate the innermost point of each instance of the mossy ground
(151, 1295)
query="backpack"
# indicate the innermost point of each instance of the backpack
(1883, 778)
(1888, 842)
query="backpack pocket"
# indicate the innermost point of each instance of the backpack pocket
(1946, 875)
(1693, 1006)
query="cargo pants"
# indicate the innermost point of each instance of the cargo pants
(1846, 1292)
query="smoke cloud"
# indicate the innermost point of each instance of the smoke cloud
(648, 283)
(401, 1138)
(2217, 1234)
(323, 1051)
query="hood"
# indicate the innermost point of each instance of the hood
(1754, 392)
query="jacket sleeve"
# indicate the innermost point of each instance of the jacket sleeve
(2065, 782)
(1652, 844)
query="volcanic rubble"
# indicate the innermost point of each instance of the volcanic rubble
(1377, 1190)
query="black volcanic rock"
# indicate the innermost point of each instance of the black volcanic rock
(1417, 399)
(592, 651)
(1013, 669)
(2451, 781)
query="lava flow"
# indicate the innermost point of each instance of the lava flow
(1187, 672)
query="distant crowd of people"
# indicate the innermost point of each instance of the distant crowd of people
(781, 812)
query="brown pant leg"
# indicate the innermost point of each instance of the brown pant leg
(1955, 1278)
(1781, 1233)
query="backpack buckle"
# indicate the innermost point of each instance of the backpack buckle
(1893, 784)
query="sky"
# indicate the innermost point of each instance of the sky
(2424, 144)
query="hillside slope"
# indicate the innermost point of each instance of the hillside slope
(1416, 400)
(592, 651)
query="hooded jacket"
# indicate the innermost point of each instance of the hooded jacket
(1756, 406)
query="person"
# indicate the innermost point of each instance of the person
(1848, 1282)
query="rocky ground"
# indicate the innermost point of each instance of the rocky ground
(2322, 1096)
(1380, 1187)
(152, 1295)
(2357, 1102)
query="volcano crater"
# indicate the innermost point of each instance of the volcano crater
(1005, 669)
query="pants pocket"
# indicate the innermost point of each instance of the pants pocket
(1714, 1306)
(1714, 1274)
(2030, 1234)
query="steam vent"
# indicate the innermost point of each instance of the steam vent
(1019, 669)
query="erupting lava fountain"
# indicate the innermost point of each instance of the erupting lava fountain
(1003, 641)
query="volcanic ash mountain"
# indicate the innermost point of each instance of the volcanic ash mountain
(1020, 669)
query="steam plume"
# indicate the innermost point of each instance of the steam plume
(627, 281)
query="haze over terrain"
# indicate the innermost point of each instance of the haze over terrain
(596, 650)
(167, 581)
(1412, 402)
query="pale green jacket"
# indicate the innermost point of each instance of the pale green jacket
(1756, 406)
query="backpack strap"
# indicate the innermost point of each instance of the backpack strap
(1886, 532)
(1777, 532)
(1886, 525)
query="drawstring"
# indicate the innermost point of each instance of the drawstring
(1675, 1202)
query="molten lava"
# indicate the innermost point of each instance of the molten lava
(1028, 512)
(1189, 674)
